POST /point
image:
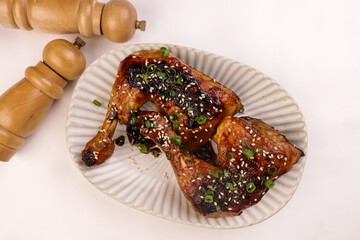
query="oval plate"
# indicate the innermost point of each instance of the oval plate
(148, 184)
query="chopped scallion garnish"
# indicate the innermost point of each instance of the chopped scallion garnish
(179, 80)
(269, 184)
(202, 119)
(218, 208)
(151, 68)
(164, 52)
(243, 144)
(144, 77)
(190, 111)
(156, 154)
(250, 187)
(272, 170)
(134, 120)
(176, 140)
(242, 110)
(209, 199)
(218, 174)
(230, 186)
(175, 127)
(170, 93)
(171, 72)
(144, 148)
(148, 123)
(174, 117)
(97, 103)
(161, 74)
(248, 153)
(209, 193)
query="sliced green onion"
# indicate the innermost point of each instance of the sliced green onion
(240, 177)
(179, 80)
(218, 208)
(230, 155)
(262, 180)
(174, 117)
(154, 125)
(151, 68)
(164, 52)
(218, 174)
(248, 153)
(258, 149)
(190, 111)
(184, 149)
(202, 119)
(250, 187)
(134, 120)
(97, 103)
(175, 127)
(144, 77)
(269, 184)
(209, 199)
(228, 185)
(209, 193)
(231, 186)
(201, 175)
(242, 110)
(155, 153)
(161, 74)
(148, 123)
(226, 173)
(170, 93)
(272, 170)
(144, 148)
(243, 144)
(176, 140)
(211, 188)
(171, 72)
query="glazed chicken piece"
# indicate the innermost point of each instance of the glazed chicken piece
(252, 156)
(194, 103)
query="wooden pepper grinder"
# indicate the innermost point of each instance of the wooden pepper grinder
(117, 19)
(25, 104)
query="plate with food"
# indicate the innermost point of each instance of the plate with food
(187, 135)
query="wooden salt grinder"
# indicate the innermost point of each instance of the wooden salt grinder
(117, 19)
(25, 104)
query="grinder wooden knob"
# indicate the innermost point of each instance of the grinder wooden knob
(24, 105)
(117, 19)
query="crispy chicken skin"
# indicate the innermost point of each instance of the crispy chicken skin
(178, 91)
(252, 156)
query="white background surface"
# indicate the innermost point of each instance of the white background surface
(312, 48)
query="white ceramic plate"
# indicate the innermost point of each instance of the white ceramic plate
(148, 184)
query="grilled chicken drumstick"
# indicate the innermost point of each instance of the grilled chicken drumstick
(252, 156)
(194, 102)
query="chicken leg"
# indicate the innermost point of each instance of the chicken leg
(192, 101)
(252, 155)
